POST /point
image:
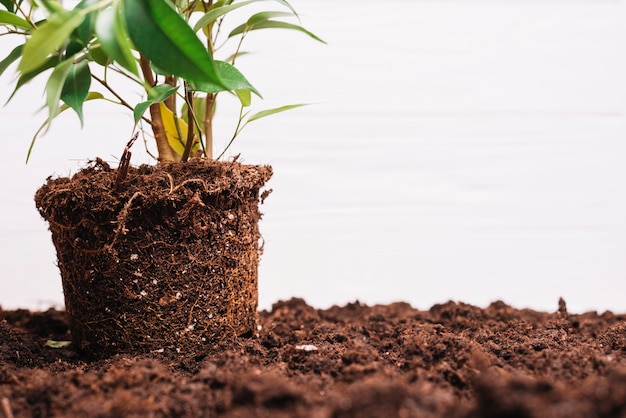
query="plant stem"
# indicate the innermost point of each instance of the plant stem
(209, 112)
(190, 124)
(117, 96)
(209, 108)
(170, 102)
(243, 35)
(166, 153)
(26, 16)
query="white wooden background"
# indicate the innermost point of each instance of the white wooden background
(469, 150)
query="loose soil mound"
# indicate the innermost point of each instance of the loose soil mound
(454, 360)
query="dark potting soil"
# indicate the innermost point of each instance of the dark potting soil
(454, 360)
(165, 257)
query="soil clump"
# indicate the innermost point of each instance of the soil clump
(161, 257)
(454, 360)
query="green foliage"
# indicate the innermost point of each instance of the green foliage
(230, 76)
(151, 42)
(11, 58)
(11, 19)
(111, 33)
(157, 94)
(55, 84)
(48, 38)
(8, 5)
(166, 39)
(76, 87)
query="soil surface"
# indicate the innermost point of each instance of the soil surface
(454, 360)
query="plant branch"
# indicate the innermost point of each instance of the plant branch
(145, 143)
(14, 32)
(125, 74)
(190, 125)
(209, 108)
(26, 16)
(243, 35)
(209, 112)
(188, 9)
(117, 96)
(170, 102)
(166, 153)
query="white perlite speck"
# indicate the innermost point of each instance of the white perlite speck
(306, 347)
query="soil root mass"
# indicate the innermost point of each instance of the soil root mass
(454, 360)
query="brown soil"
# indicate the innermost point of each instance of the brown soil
(454, 360)
(166, 258)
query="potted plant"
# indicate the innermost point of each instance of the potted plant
(159, 257)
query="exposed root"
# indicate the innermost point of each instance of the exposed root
(6, 408)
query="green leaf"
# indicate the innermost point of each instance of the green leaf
(254, 20)
(220, 9)
(8, 4)
(76, 87)
(57, 344)
(55, 84)
(51, 6)
(244, 97)
(216, 12)
(269, 112)
(158, 71)
(98, 54)
(163, 36)
(273, 24)
(237, 54)
(286, 3)
(161, 92)
(232, 80)
(111, 33)
(155, 95)
(84, 32)
(48, 37)
(11, 58)
(8, 18)
(74, 46)
(93, 95)
(263, 16)
(139, 110)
